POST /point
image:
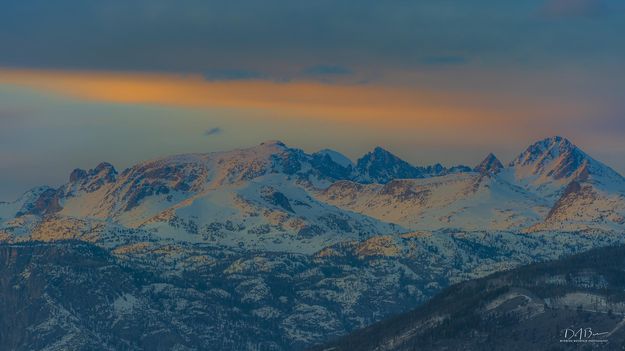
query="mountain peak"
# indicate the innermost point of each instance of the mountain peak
(93, 179)
(382, 166)
(380, 150)
(103, 170)
(548, 148)
(379, 154)
(104, 167)
(276, 143)
(551, 163)
(335, 156)
(556, 141)
(490, 165)
(77, 174)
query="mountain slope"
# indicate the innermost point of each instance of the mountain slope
(526, 308)
(69, 292)
(464, 200)
(131, 294)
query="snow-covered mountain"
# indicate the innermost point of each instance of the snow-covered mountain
(255, 197)
(281, 249)
(274, 197)
(381, 166)
(584, 192)
(553, 185)
(549, 165)
(490, 165)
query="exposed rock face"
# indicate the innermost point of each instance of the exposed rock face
(77, 175)
(381, 166)
(570, 193)
(404, 191)
(580, 202)
(105, 171)
(542, 151)
(489, 166)
(459, 169)
(46, 203)
(329, 165)
(93, 179)
(558, 158)
(277, 198)
(343, 190)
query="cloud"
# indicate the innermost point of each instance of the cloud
(277, 39)
(327, 70)
(445, 60)
(213, 131)
(367, 105)
(573, 8)
(231, 74)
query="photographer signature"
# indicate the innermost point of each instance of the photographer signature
(583, 335)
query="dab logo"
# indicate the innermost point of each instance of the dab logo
(583, 335)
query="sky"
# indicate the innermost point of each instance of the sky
(431, 80)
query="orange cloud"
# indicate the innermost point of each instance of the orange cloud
(383, 107)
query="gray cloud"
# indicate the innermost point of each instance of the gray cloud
(213, 131)
(327, 70)
(574, 8)
(274, 39)
(232, 74)
(445, 60)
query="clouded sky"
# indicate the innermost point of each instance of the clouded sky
(434, 81)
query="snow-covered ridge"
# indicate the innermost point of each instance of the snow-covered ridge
(275, 197)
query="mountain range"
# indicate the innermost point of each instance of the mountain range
(286, 249)
(287, 195)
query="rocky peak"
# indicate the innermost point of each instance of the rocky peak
(93, 179)
(335, 157)
(459, 169)
(46, 203)
(557, 158)
(382, 166)
(103, 170)
(77, 175)
(106, 171)
(435, 170)
(332, 164)
(274, 143)
(546, 149)
(548, 165)
(490, 165)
